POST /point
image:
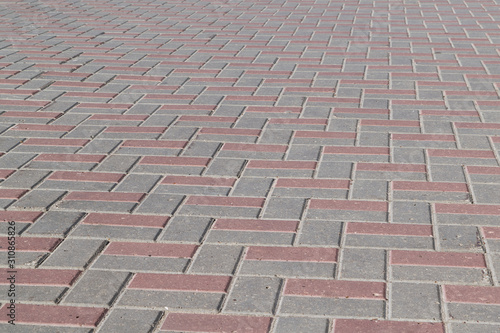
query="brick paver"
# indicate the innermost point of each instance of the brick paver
(250, 166)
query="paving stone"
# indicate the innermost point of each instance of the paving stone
(480, 312)
(331, 307)
(253, 294)
(201, 149)
(225, 167)
(248, 237)
(158, 299)
(443, 173)
(85, 291)
(160, 204)
(55, 223)
(100, 147)
(335, 170)
(25, 179)
(459, 237)
(187, 229)
(138, 183)
(127, 320)
(46, 329)
(363, 264)
(284, 208)
(218, 259)
(150, 264)
(64, 256)
(424, 300)
(38, 200)
(440, 274)
(485, 193)
(468, 327)
(249, 186)
(316, 232)
(289, 324)
(115, 232)
(15, 160)
(411, 212)
(38, 293)
(370, 189)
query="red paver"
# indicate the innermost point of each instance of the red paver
(425, 258)
(19, 216)
(391, 167)
(385, 326)
(319, 134)
(376, 206)
(42, 128)
(180, 282)
(423, 137)
(471, 294)
(256, 225)
(461, 153)
(31, 244)
(151, 250)
(131, 129)
(104, 177)
(292, 254)
(126, 220)
(429, 186)
(223, 201)
(335, 289)
(80, 158)
(198, 181)
(483, 170)
(313, 183)
(6, 173)
(182, 161)
(229, 131)
(11, 193)
(254, 147)
(442, 208)
(105, 196)
(190, 322)
(256, 164)
(154, 144)
(56, 142)
(39, 277)
(356, 150)
(55, 315)
(389, 229)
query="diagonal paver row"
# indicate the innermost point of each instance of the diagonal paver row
(251, 166)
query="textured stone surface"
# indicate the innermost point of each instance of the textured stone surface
(251, 166)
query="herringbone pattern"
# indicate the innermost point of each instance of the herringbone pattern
(251, 166)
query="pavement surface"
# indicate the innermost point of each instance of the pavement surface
(250, 166)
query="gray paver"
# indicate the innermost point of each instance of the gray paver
(160, 204)
(221, 259)
(317, 232)
(38, 199)
(173, 300)
(300, 324)
(85, 291)
(363, 264)
(64, 256)
(424, 300)
(253, 294)
(354, 308)
(126, 320)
